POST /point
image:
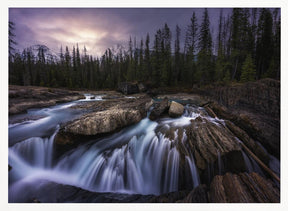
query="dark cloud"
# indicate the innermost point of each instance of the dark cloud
(98, 29)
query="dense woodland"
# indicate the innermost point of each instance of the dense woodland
(247, 48)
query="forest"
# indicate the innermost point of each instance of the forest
(246, 48)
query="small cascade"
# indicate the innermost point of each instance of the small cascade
(247, 161)
(90, 97)
(274, 163)
(220, 163)
(193, 170)
(145, 158)
(149, 111)
(36, 151)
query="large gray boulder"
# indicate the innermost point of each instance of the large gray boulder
(176, 109)
(104, 121)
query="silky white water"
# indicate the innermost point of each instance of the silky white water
(138, 159)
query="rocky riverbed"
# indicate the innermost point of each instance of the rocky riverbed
(207, 146)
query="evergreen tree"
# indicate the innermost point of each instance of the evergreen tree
(205, 67)
(264, 49)
(147, 62)
(130, 71)
(248, 70)
(190, 49)
(141, 61)
(177, 69)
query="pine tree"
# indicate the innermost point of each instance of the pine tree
(177, 69)
(147, 62)
(205, 69)
(68, 80)
(264, 49)
(248, 70)
(190, 49)
(141, 62)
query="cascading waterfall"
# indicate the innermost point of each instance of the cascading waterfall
(220, 163)
(193, 170)
(123, 169)
(138, 159)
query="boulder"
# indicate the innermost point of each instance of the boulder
(142, 87)
(128, 88)
(159, 109)
(243, 188)
(176, 109)
(197, 195)
(104, 121)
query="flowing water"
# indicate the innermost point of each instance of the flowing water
(138, 159)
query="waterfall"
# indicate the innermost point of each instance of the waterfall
(220, 163)
(147, 158)
(193, 170)
(139, 159)
(35, 151)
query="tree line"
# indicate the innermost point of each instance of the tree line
(247, 48)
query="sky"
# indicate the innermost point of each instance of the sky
(99, 28)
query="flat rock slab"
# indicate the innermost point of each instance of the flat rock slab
(104, 121)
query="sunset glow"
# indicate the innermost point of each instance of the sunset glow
(96, 29)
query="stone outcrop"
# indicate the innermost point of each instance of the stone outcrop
(160, 108)
(243, 188)
(103, 117)
(22, 98)
(253, 106)
(260, 127)
(128, 88)
(104, 121)
(175, 109)
(208, 139)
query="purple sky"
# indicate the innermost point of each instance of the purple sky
(99, 29)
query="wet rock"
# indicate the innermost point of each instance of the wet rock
(243, 188)
(208, 139)
(148, 105)
(200, 163)
(197, 195)
(104, 121)
(103, 117)
(159, 109)
(175, 109)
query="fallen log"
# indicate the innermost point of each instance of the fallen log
(268, 170)
(210, 112)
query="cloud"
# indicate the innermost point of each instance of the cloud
(97, 29)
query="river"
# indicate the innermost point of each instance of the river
(139, 159)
